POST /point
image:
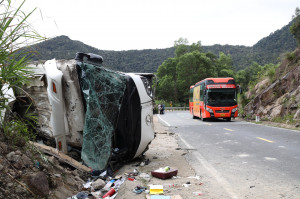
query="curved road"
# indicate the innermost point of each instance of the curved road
(246, 160)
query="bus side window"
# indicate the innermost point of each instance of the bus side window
(191, 95)
(201, 92)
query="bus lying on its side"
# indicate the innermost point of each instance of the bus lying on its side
(214, 98)
(104, 114)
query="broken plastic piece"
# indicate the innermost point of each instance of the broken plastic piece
(87, 185)
(198, 193)
(186, 185)
(108, 185)
(118, 183)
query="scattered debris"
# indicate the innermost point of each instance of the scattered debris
(198, 193)
(111, 192)
(139, 189)
(63, 157)
(145, 176)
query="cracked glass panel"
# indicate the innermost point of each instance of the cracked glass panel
(103, 91)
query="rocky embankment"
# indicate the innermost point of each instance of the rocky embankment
(280, 99)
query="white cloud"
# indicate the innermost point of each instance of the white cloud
(138, 24)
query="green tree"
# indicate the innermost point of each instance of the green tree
(224, 65)
(295, 27)
(181, 46)
(15, 32)
(167, 80)
(191, 68)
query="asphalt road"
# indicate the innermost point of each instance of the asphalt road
(245, 160)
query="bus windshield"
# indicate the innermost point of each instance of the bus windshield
(221, 97)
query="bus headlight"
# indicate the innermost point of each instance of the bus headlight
(233, 110)
(148, 86)
(209, 110)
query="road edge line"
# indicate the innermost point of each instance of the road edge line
(215, 174)
(163, 120)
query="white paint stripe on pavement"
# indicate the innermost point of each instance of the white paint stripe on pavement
(221, 180)
(163, 121)
(275, 127)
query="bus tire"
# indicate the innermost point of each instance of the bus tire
(203, 119)
(194, 117)
(228, 119)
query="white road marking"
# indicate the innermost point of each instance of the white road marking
(163, 121)
(270, 159)
(243, 155)
(275, 127)
(221, 180)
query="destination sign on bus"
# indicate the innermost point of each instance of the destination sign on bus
(220, 86)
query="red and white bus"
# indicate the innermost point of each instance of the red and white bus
(214, 98)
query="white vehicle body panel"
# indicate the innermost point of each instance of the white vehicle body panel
(147, 131)
(57, 120)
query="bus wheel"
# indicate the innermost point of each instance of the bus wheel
(228, 119)
(203, 119)
(194, 117)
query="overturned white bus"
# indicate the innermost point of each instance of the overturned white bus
(107, 115)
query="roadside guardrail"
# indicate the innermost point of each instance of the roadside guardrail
(176, 108)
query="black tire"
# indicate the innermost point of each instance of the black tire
(228, 119)
(194, 117)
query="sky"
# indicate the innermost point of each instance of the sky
(154, 24)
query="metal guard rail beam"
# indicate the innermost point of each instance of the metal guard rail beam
(176, 108)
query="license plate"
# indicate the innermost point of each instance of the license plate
(222, 114)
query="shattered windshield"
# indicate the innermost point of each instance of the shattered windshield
(221, 97)
(103, 90)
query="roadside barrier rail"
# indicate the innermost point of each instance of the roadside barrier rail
(176, 108)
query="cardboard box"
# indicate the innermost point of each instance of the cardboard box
(164, 174)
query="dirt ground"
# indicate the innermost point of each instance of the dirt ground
(31, 174)
(163, 151)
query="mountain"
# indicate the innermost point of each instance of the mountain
(266, 50)
(63, 47)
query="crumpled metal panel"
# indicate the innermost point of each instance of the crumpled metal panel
(103, 91)
(74, 107)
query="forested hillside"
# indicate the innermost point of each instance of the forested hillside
(63, 47)
(267, 50)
